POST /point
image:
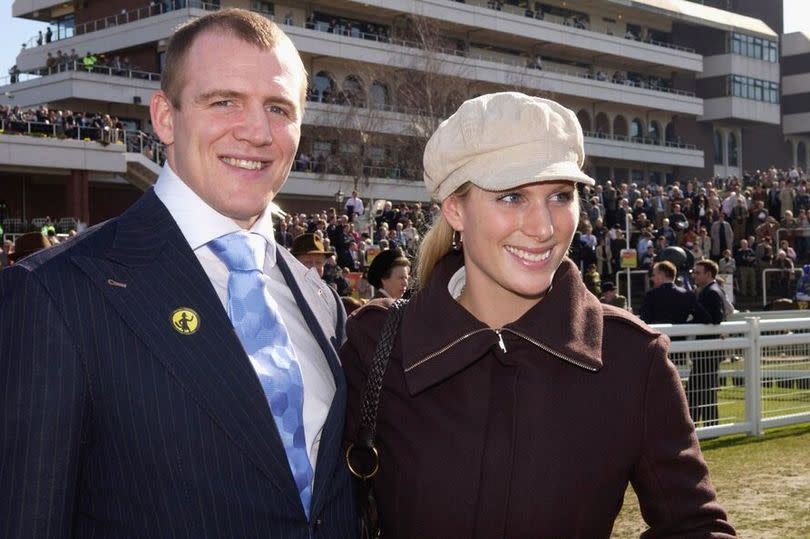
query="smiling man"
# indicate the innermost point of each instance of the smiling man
(186, 383)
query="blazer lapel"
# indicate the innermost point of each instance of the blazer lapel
(308, 291)
(149, 272)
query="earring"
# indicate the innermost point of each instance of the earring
(457, 241)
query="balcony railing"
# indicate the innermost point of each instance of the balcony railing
(134, 141)
(79, 66)
(518, 62)
(124, 17)
(650, 141)
(582, 26)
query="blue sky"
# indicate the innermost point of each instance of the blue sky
(14, 32)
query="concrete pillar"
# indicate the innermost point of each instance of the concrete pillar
(77, 196)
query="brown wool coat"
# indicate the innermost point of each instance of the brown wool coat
(537, 441)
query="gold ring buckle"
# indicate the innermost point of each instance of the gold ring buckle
(357, 473)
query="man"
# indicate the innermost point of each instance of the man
(746, 267)
(666, 303)
(701, 389)
(354, 206)
(308, 249)
(610, 296)
(134, 404)
(722, 236)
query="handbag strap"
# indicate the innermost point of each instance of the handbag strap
(363, 447)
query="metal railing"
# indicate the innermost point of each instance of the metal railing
(744, 376)
(765, 280)
(126, 16)
(355, 33)
(639, 140)
(134, 141)
(369, 171)
(79, 67)
(586, 26)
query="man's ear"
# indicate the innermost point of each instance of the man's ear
(453, 211)
(162, 112)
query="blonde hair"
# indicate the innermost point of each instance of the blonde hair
(436, 243)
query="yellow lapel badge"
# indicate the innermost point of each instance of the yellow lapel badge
(185, 320)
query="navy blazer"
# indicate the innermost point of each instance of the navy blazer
(115, 424)
(670, 304)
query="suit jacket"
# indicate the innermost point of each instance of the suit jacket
(670, 304)
(711, 298)
(115, 424)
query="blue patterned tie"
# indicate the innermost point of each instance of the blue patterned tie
(264, 336)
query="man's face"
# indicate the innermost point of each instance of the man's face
(234, 137)
(701, 275)
(659, 278)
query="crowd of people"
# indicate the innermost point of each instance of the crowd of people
(744, 225)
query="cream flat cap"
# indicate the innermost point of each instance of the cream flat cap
(503, 140)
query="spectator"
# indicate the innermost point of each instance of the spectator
(610, 296)
(389, 273)
(310, 251)
(48, 35)
(354, 206)
(701, 389)
(667, 303)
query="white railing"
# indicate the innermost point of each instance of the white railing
(744, 376)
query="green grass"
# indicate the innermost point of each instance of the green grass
(763, 482)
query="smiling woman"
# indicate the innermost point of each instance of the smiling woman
(515, 404)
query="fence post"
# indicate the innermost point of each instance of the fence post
(753, 379)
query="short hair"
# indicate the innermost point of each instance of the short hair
(709, 265)
(250, 27)
(667, 268)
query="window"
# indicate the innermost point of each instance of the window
(718, 148)
(353, 91)
(756, 89)
(753, 47)
(323, 87)
(262, 6)
(733, 161)
(378, 95)
(321, 148)
(636, 130)
(654, 132)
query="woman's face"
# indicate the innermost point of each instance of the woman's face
(397, 283)
(514, 240)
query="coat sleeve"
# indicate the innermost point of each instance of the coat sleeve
(712, 301)
(671, 478)
(43, 401)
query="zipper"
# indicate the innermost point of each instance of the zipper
(445, 348)
(502, 345)
(549, 350)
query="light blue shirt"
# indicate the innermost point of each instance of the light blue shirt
(199, 224)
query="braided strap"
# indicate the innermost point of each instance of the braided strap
(361, 455)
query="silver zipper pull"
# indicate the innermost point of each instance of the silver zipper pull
(500, 340)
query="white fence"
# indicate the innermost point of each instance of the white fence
(744, 376)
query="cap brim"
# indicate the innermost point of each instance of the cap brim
(509, 177)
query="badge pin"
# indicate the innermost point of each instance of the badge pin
(185, 320)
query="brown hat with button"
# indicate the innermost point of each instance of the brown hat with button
(308, 244)
(28, 244)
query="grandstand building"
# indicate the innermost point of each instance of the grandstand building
(664, 89)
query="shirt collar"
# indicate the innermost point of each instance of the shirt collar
(200, 223)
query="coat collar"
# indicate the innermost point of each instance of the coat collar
(566, 324)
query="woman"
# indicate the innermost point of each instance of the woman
(389, 273)
(515, 404)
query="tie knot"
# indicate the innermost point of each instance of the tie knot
(240, 251)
